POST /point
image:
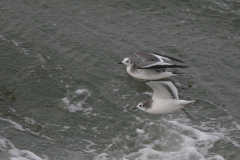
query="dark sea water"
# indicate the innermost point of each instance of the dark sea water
(63, 95)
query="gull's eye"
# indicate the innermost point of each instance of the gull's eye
(140, 105)
(127, 61)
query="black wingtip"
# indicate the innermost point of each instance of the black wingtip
(169, 57)
(177, 73)
(196, 101)
(181, 66)
(187, 114)
(163, 66)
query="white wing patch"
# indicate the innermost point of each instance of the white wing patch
(157, 63)
(163, 90)
(147, 56)
(150, 56)
(160, 57)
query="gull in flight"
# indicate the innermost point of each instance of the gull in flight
(164, 99)
(152, 67)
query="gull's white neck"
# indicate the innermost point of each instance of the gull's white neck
(131, 69)
(164, 106)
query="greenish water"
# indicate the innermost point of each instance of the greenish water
(64, 96)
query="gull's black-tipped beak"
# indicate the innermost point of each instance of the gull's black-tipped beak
(134, 107)
(120, 63)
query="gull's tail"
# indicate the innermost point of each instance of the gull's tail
(184, 102)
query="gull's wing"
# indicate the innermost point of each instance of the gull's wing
(151, 56)
(148, 93)
(167, 57)
(157, 65)
(147, 56)
(163, 90)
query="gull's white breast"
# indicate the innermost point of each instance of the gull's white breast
(149, 74)
(164, 106)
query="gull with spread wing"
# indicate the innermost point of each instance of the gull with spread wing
(152, 67)
(164, 99)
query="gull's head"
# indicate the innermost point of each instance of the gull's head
(145, 105)
(127, 61)
(140, 106)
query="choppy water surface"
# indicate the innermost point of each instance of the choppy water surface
(63, 95)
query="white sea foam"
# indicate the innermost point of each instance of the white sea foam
(22, 50)
(13, 110)
(15, 125)
(73, 105)
(217, 157)
(41, 59)
(3, 38)
(20, 128)
(102, 156)
(183, 142)
(16, 44)
(89, 145)
(29, 120)
(150, 153)
(196, 138)
(25, 51)
(66, 127)
(23, 155)
(3, 145)
(81, 91)
(15, 153)
(82, 127)
(140, 131)
(68, 86)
